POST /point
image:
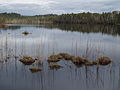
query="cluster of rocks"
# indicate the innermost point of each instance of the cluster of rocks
(27, 60)
(77, 60)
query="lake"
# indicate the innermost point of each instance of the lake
(89, 41)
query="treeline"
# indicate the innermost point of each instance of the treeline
(14, 18)
(80, 18)
(90, 18)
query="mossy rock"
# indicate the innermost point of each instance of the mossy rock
(35, 69)
(79, 60)
(59, 56)
(54, 58)
(89, 63)
(27, 60)
(55, 66)
(104, 60)
(95, 62)
(66, 56)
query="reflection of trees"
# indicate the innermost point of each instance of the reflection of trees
(84, 28)
(105, 29)
(11, 28)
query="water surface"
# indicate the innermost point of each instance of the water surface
(87, 41)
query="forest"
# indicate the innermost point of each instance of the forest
(112, 18)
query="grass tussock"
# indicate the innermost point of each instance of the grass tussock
(27, 60)
(103, 60)
(77, 60)
(35, 69)
(55, 66)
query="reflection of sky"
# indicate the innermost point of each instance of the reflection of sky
(60, 41)
(31, 7)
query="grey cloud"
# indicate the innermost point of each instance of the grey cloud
(63, 6)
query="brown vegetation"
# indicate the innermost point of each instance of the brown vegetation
(77, 60)
(65, 56)
(27, 60)
(104, 60)
(55, 66)
(35, 69)
(54, 58)
(4, 26)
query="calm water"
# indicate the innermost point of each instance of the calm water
(79, 40)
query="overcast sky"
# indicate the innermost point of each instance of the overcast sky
(33, 7)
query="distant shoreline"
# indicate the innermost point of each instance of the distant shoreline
(107, 18)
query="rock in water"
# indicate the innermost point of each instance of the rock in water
(55, 66)
(35, 69)
(79, 60)
(104, 60)
(65, 56)
(27, 60)
(54, 58)
(25, 33)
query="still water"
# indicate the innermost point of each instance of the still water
(87, 41)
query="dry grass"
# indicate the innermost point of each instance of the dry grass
(27, 60)
(55, 66)
(35, 69)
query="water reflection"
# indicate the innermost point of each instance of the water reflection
(46, 41)
(104, 29)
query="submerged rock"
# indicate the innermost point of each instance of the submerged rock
(55, 66)
(104, 60)
(35, 69)
(27, 60)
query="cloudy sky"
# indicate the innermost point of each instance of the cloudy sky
(33, 7)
